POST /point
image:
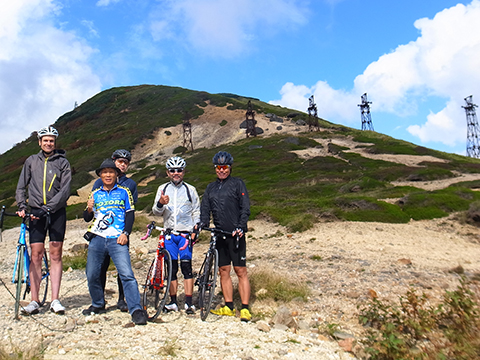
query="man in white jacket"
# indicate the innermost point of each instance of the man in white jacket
(179, 205)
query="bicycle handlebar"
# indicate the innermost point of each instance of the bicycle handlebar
(220, 231)
(152, 226)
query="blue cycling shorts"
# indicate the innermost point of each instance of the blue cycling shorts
(178, 247)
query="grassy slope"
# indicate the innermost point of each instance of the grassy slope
(282, 186)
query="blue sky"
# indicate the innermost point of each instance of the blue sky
(417, 60)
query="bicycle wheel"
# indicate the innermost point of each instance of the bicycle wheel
(157, 285)
(207, 283)
(43, 289)
(19, 279)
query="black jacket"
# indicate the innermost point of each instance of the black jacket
(227, 200)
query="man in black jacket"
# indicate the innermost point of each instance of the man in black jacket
(227, 200)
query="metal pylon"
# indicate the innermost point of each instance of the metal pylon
(365, 111)
(312, 115)
(187, 134)
(250, 120)
(473, 148)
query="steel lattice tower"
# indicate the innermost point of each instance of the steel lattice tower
(365, 111)
(250, 121)
(312, 115)
(473, 148)
(187, 133)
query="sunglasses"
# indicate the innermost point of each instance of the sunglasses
(222, 167)
(173, 171)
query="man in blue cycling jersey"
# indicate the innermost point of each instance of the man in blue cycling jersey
(111, 207)
(122, 160)
(179, 205)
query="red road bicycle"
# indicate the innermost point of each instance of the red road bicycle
(159, 276)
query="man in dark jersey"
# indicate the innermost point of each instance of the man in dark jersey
(227, 200)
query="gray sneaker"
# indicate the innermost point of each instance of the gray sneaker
(31, 309)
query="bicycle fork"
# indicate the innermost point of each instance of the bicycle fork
(21, 251)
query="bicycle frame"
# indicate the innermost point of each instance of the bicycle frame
(22, 250)
(158, 281)
(21, 268)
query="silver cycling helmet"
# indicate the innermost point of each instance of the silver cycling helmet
(175, 162)
(122, 154)
(222, 158)
(49, 130)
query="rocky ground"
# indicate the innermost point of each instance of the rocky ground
(342, 262)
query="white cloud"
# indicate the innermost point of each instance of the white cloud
(223, 28)
(43, 70)
(443, 62)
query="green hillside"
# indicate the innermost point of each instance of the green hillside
(284, 187)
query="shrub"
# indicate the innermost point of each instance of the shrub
(415, 329)
(276, 286)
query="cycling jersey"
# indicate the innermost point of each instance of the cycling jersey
(109, 210)
(122, 180)
(182, 211)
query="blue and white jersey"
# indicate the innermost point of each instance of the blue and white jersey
(109, 211)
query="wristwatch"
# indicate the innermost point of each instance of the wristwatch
(125, 233)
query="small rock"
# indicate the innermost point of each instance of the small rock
(284, 317)
(261, 292)
(70, 325)
(280, 327)
(404, 261)
(263, 326)
(347, 344)
(340, 335)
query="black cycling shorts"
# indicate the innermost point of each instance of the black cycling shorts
(56, 229)
(228, 253)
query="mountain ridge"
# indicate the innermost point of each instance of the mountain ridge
(295, 177)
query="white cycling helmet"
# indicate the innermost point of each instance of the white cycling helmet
(49, 130)
(175, 162)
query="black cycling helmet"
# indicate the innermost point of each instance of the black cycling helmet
(122, 154)
(222, 158)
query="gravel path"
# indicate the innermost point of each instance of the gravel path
(341, 262)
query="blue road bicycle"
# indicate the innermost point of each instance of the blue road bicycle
(21, 268)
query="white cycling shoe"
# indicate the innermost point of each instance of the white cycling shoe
(57, 308)
(31, 309)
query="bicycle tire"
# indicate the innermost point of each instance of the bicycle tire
(207, 284)
(43, 289)
(154, 299)
(19, 279)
